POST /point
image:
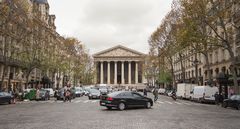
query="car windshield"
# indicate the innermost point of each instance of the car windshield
(94, 91)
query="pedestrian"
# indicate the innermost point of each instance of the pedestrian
(216, 96)
(221, 98)
(155, 93)
(145, 92)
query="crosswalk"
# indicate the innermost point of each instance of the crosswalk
(177, 103)
(77, 101)
(53, 101)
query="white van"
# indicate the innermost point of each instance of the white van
(204, 93)
(184, 90)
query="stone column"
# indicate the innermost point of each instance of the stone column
(123, 80)
(129, 73)
(108, 76)
(101, 76)
(115, 72)
(136, 72)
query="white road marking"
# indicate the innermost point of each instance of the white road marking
(94, 101)
(86, 101)
(168, 102)
(160, 102)
(78, 101)
(178, 103)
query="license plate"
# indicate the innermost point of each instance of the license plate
(102, 103)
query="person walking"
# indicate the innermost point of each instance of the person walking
(145, 92)
(216, 96)
(155, 93)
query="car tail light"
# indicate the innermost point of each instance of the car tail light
(109, 99)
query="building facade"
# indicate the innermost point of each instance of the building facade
(185, 68)
(12, 65)
(120, 66)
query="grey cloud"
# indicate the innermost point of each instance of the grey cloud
(105, 23)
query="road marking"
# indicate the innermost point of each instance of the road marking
(160, 102)
(86, 101)
(59, 101)
(178, 103)
(94, 101)
(78, 101)
(168, 102)
(51, 101)
(187, 103)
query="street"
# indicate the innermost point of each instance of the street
(82, 113)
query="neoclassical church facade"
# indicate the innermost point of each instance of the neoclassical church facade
(120, 66)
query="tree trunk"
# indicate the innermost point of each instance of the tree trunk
(182, 68)
(209, 75)
(2, 78)
(233, 71)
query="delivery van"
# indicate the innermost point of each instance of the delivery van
(204, 93)
(184, 90)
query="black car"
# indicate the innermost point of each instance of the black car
(6, 98)
(233, 101)
(125, 99)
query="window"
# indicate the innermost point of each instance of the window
(135, 95)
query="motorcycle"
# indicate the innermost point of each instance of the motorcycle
(174, 97)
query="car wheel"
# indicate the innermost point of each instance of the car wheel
(121, 106)
(109, 108)
(89, 98)
(148, 105)
(224, 104)
(10, 101)
(238, 107)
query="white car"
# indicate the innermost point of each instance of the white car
(51, 92)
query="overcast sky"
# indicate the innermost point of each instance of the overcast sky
(101, 24)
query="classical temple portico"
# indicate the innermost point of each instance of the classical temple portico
(119, 66)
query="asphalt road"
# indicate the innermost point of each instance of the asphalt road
(82, 113)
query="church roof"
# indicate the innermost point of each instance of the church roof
(41, 1)
(118, 50)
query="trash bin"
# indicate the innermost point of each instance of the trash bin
(31, 95)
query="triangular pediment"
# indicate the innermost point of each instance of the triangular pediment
(118, 51)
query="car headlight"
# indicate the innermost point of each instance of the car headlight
(90, 94)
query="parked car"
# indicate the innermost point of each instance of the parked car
(161, 91)
(6, 98)
(125, 99)
(103, 90)
(44, 94)
(233, 101)
(86, 90)
(79, 91)
(60, 94)
(94, 94)
(204, 93)
(51, 92)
